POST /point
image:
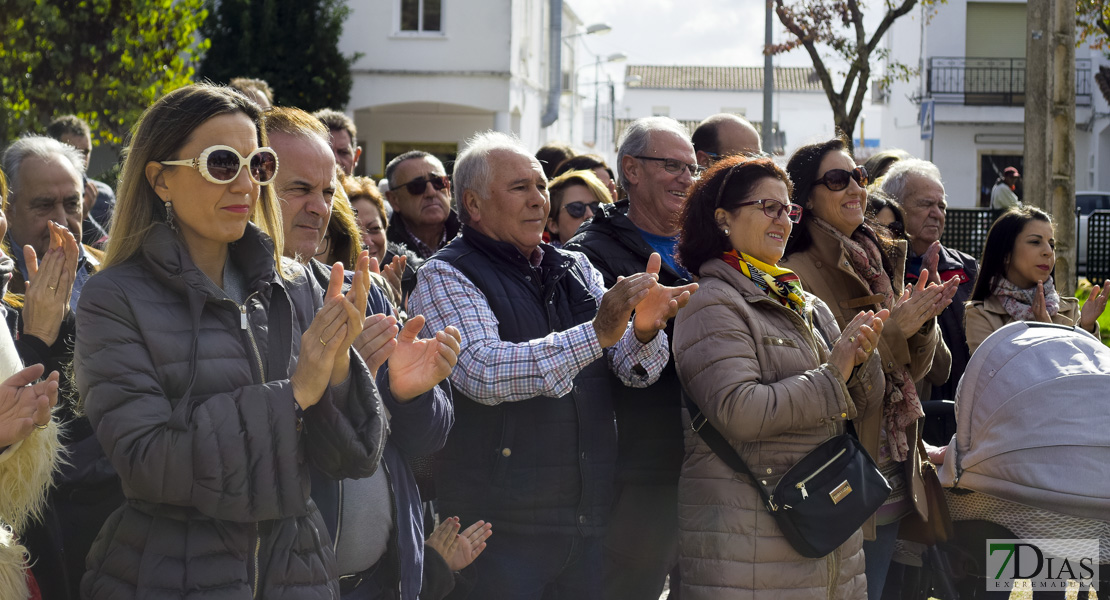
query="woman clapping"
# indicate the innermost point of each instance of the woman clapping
(769, 368)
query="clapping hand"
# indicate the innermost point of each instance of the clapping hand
(324, 345)
(859, 338)
(922, 301)
(417, 365)
(51, 284)
(930, 260)
(25, 405)
(1040, 310)
(1093, 307)
(660, 304)
(459, 550)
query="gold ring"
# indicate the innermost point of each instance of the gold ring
(43, 426)
(322, 342)
(852, 339)
(52, 288)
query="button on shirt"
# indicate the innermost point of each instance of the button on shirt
(492, 371)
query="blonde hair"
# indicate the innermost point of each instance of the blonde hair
(162, 131)
(571, 178)
(346, 240)
(364, 187)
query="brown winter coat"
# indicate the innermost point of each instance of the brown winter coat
(758, 372)
(827, 273)
(984, 317)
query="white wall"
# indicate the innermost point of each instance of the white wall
(804, 116)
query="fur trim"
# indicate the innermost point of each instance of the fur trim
(13, 568)
(26, 472)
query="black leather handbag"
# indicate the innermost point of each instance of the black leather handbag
(820, 501)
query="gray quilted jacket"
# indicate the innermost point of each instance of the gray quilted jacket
(189, 394)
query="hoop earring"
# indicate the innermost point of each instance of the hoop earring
(169, 215)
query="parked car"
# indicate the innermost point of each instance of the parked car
(1086, 203)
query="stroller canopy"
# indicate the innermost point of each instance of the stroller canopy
(1033, 420)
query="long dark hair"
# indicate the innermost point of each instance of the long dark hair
(701, 239)
(1000, 245)
(803, 169)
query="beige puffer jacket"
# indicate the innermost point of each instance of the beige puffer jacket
(827, 273)
(758, 372)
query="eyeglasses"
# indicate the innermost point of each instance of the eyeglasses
(578, 209)
(221, 164)
(774, 209)
(674, 166)
(418, 185)
(837, 179)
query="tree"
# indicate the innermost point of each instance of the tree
(104, 60)
(1093, 23)
(838, 25)
(292, 44)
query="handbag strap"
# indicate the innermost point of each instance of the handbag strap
(720, 446)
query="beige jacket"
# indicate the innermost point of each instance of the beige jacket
(984, 317)
(759, 374)
(826, 272)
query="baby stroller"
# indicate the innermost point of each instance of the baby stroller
(1031, 454)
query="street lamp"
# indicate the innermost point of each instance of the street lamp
(596, 28)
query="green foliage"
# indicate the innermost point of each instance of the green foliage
(103, 60)
(1082, 292)
(292, 44)
(1093, 23)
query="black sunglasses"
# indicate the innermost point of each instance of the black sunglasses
(578, 209)
(418, 185)
(837, 179)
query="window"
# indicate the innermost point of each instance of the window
(421, 15)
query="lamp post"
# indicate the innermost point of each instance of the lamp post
(616, 57)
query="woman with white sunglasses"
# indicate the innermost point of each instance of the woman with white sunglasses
(214, 373)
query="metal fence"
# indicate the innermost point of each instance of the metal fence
(965, 229)
(1098, 246)
(992, 81)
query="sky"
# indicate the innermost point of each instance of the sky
(689, 32)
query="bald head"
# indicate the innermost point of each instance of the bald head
(723, 134)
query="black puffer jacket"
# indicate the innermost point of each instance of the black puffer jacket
(649, 420)
(213, 461)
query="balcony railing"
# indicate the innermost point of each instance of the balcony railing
(992, 81)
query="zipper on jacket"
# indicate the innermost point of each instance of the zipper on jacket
(801, 485)
(834, 573)
(254, 561)
(243, 324)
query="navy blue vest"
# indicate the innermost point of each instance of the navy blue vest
(541, 465)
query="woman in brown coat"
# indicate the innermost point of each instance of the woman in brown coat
(854, 266)
(1015, 280)
(753, 352)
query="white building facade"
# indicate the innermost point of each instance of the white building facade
(972, 60)
(689, 94)
(434, 72)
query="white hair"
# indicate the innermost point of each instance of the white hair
(899, 174)
(472, 168)
(39, 146)
(636, 139)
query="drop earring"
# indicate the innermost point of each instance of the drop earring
(169, 215)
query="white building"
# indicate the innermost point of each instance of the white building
(972, 55)
(433, 72)
(689, 94)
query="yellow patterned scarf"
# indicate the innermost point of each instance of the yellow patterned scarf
(779, 283)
